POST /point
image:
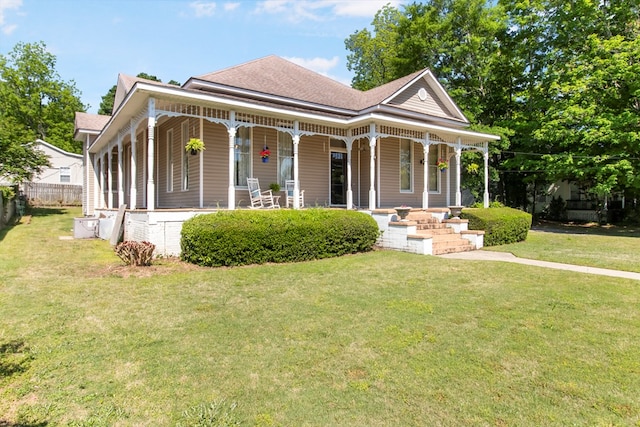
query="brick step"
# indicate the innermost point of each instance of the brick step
(438, 226)
(441, 250)
(434, 231)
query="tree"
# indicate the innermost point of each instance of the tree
(106, 105)
(35, 100)
(373, 55)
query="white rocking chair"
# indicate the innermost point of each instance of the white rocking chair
(288, 189)
(261, 199)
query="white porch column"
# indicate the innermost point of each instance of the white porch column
(296, 170)
(98, 180)
(133, 191)
(231, 193)
(458, 168)
(201, 165)
(349, 190)
(486, 175)
(120, 172)
(151, 185)
(425, 173)
(86, 187)
(372, 166)
(110, 177)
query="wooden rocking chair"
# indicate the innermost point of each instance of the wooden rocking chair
(261, 199)
(288, 189)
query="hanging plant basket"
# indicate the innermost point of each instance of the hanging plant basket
(265, 153)
(194, 146)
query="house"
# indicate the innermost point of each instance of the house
(60, 182)
(397, 144)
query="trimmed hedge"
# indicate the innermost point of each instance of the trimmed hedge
(244, 237)
(501, 225)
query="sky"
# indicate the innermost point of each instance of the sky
(95, 40)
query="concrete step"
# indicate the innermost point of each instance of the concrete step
(441, 250)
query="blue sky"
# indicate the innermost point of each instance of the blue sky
(94, 40)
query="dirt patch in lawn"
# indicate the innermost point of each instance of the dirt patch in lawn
(159, 267)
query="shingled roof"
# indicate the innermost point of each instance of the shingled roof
(90, 122)
(276, 77)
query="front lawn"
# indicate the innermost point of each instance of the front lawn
(604, 247)
(377, 339)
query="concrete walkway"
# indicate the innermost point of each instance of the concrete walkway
(508, 257)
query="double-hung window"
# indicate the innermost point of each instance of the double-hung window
(406, 166)
(434, 172)
(185, 158)
(285, 157)
(242, 156)
(170, 160)
(65, 174)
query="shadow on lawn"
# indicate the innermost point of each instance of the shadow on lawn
(14, 359)
(31, 212)
(10, 424)
(587, 228)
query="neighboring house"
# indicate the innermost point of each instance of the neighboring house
(60, 182)
(578, 203)
(65, 167)
(343, 147)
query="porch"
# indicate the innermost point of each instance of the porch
(425, 231)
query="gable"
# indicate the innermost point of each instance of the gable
(425, 95)
(421, 98)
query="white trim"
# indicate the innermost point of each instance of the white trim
(361, 119)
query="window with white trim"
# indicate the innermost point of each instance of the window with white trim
(242, 156)
(434, 172)
(406, 166)
(285, 157)
(65, 174)
(170, 160)
(185, 158)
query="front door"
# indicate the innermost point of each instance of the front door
(338, 178)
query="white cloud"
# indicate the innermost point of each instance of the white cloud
(320, 65)
(203, 8)
(231, 6)
(8, 29)
(363, 8)
(317, 10)
(7, 5)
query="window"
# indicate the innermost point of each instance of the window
(406, 164)
(65, 174)
(170, 160)
(242, 156)
(434, 172)
(185, 156)
(285, 157)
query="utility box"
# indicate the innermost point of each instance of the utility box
(85, 228)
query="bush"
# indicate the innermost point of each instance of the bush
(135, 253)
(244, 237)
(501, 225)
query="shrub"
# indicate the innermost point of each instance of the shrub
(244, 237)
(501, 225)
(135, 253)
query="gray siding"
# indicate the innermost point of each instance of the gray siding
(432, 105)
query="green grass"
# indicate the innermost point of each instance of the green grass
(378, 339)
(615, 247)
